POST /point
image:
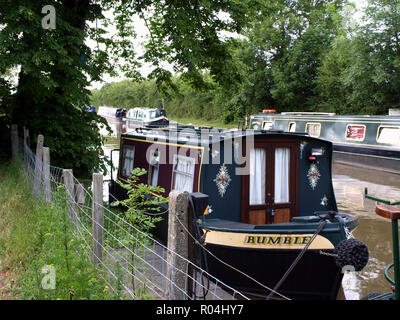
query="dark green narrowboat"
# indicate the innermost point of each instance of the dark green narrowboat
(268, 194)
(362, 140)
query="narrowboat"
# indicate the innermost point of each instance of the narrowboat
(268, 192)
(146, 117)
(361, 140)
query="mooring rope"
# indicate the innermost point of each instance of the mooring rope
(230, 266)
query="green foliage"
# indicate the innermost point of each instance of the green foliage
(241, 56)
(359, 72)
(50, 93)
(276, 66)
(143, 203)
(185, 101)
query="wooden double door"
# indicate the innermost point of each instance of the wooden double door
(269, 193)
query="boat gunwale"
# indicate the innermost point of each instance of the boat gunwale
(278, 228)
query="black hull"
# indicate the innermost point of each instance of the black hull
(378, 159)
(315, 277)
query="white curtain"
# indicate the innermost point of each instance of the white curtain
(282, 156)
(257, 176)
(184, 173)
(154, 164)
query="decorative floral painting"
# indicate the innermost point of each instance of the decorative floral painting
(222, 180)
(324, 201)
(313, 175)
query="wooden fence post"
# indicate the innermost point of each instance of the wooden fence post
(79, 194)
(46, 174)
(97, 218)
(177, 243)
(14, 141)
(37, 181)
(69, 185)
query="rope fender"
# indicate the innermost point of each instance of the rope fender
(351, 252)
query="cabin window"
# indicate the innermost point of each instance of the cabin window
(256, 125)
(128, 156)
(292, 127)
(140, 114)
(153, 168)
(355, 132)
(390, 135)
(313, 129)
(267, 125)
(160, 112)
(183, 173)
(282, 161)
(257, 176)
(152, 114)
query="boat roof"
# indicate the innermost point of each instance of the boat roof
(328, 115)
(205, 135)
(145, 109)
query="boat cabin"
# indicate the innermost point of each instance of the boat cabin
(253, 177)
(363, 140)
(146, 117)
(111, 112)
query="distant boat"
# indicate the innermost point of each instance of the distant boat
(363, 140)
(91, 109)
(112, 112)
(146, 117)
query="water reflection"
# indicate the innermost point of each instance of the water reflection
(117, 126)
(373, 230)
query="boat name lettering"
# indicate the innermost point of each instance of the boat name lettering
(277, 240)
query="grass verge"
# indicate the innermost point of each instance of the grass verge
(39, 256)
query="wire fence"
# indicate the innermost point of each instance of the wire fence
(134, 263)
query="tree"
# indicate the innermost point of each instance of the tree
(359, 73)
(56, 65)
(280, 56)
(374, 70)
(309, 28)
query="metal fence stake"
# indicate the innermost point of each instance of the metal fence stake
(46, 174)
(37, 181)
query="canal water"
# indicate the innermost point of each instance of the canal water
(349, 183)
(376, 232)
